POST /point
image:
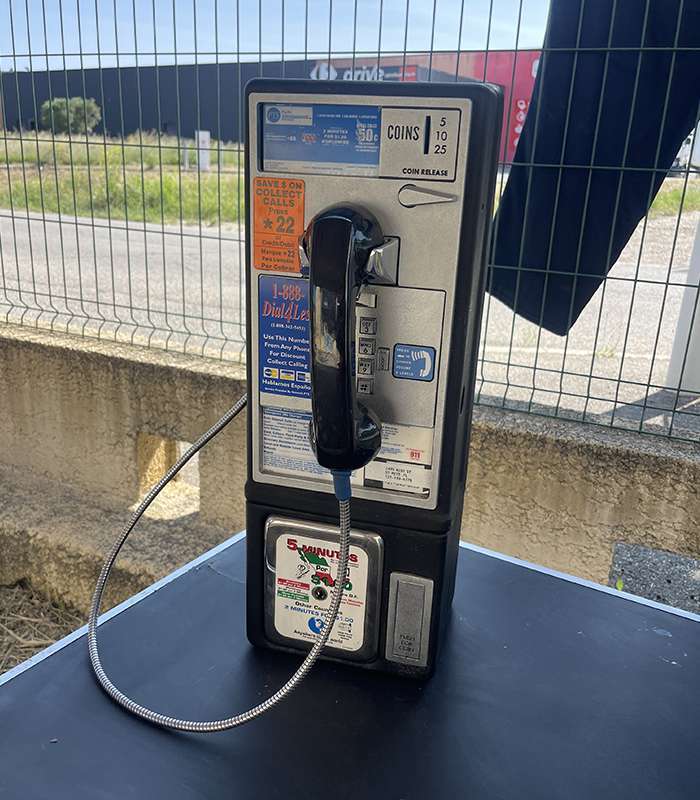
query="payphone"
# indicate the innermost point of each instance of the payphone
(367, 217)
(368, 210)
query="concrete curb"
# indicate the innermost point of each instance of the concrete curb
(57, 539)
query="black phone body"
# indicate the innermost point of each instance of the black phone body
(421, 159)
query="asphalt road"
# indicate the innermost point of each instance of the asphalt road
(172, 287)
(175, 287)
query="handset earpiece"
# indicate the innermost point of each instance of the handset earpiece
(345, 435)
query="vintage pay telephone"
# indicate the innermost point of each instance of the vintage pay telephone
(367, 217)
(368, 211)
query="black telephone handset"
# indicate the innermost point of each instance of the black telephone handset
(345, 435)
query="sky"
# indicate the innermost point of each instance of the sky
(41, 34)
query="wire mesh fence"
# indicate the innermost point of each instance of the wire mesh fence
(121, 177)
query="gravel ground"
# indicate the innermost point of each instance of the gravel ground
(29, 622)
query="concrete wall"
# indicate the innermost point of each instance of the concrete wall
(83, 413)
(563, 493)
(75, 410)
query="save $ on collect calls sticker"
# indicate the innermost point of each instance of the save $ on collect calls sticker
(278, 222)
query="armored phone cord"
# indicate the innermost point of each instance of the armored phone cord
(341, 482)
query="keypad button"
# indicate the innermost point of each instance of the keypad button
(365, 386)
(368, 326)
(366, 347)
(365, 366)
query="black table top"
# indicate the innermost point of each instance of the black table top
(547, 688)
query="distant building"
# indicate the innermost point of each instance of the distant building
(181, 99)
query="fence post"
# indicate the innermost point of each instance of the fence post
(684, 366)
(203, 144)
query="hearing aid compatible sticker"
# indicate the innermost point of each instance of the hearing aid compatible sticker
(284, 352)
(278, 222)
(305, 571)
(414, 362)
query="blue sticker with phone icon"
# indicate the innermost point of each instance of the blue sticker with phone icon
(414, 362)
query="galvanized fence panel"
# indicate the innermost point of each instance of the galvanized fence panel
(134, 232)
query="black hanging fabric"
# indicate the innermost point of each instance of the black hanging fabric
(618, 87)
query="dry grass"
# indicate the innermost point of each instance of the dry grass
(145, 150)
(28, 623)
(140, 178)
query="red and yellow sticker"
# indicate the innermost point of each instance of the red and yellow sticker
(278, 222)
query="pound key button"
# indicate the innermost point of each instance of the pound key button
(365, 386)
(368, 326)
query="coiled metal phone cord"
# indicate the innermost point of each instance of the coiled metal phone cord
(329, 619)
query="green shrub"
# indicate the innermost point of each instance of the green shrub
(70, 115)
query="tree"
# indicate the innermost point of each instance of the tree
(70, 115)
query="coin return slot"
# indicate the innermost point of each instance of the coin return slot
(408, 628)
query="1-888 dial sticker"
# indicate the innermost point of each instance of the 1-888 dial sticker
(304, 581)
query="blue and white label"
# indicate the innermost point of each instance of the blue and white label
(321, 138)
(316, 624)
(414, 362)
(284, 350)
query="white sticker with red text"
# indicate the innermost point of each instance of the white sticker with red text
(406, 443)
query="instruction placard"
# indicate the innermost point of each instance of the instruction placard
(413, 478)
(406, 443)
(278, 222)
(322, 138)
(284, 349)
(305, 571)
(285, 444)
